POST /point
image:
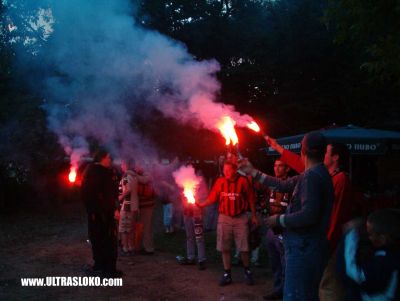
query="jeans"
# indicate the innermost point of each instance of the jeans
(306, 258)
(211, 217)
(192, 240)
(167, 214)
(177, 216)
(276, 255)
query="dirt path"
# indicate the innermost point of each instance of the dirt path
(43, 245)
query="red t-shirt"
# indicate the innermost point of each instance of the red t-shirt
(342, 209)
(234, 195)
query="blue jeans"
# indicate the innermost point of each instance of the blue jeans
(211, 217)
(177, 215)
(167, 214)
(306, 258)
(276, 255)
(192, 241)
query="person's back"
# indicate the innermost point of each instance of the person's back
(97, 190)
(313, 195)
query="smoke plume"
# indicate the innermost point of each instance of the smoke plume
(94, 67)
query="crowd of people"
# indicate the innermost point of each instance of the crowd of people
(304, 222)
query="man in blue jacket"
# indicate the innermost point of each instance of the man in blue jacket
(306, 220)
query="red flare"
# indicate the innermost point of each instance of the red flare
(189, 194)
(227, 128)
(72, 175)
(253, 126)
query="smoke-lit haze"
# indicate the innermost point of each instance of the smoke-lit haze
(94, 66)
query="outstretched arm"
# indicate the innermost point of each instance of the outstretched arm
(290, 158)
(213, 196)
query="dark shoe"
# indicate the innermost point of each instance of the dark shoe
(184, 261)
(190, 261)
(112, 274)
(273, 296)
(144, 252)
(225, 279)
(123, 253)
(248, 277)
(202, 265)
(92, 270)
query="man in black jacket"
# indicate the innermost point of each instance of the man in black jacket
(99, 193)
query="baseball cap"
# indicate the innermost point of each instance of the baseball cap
(314, 142)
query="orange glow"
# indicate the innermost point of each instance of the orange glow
(253, 126)
(72, 175)
(227, 128)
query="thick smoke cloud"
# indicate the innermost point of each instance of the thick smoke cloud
(185, 177)
(96, 67)
(191, 184)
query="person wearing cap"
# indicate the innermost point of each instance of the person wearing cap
(306, 220)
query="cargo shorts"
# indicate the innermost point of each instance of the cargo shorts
(233, 228)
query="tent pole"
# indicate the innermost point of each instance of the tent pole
(351, 167)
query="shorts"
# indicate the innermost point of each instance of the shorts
(125, 221)
(233, 228)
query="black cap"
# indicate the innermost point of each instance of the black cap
(314, 143)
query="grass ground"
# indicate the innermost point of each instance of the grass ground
(53, 243)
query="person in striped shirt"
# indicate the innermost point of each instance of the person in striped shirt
(235, 195)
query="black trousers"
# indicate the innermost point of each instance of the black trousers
(103, 238)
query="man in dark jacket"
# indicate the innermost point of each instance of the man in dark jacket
(99, 192)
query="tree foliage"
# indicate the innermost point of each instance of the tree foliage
(280, 61)
(295, 65)
(373, 28)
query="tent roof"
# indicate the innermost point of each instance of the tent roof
(352, 131)
(359, 140)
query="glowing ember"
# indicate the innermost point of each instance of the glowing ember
(72, 175)
(227, 129)
(253, 126)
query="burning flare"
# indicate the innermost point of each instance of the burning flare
(253, 126)
(187, 179)
(227, 128)
(72, 175)
(188, 192)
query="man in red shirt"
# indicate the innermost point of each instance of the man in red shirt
(336, 161)
(235, 195)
